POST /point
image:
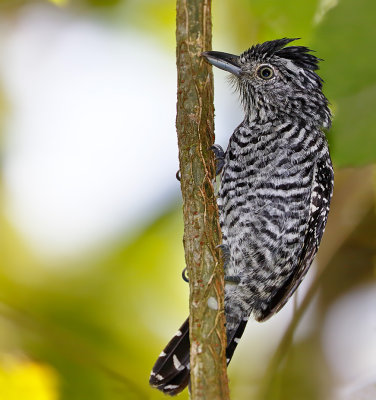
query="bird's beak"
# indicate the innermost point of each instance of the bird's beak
(225, 61)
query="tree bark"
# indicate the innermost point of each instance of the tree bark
(202, 235)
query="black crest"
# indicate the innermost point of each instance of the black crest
(299, 55)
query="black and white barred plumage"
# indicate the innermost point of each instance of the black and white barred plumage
(276, 186)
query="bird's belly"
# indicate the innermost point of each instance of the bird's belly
(264, 236)
(264, 211)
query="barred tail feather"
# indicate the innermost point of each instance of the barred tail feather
(170, 373)
(234, 340)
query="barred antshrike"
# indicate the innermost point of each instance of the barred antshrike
(274, 197)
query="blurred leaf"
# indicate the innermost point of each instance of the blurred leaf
(353, 134)
(343, 40)
(98, 322)
(250, 21)
(154, 17)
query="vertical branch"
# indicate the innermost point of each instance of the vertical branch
(195, 129)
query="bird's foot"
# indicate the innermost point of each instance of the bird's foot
(219, 158)
(228, 278)
(184, 275)
(225, 254)
(234, 279)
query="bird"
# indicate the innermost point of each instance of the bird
(274, 194)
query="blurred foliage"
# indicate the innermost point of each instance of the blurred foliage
(27, 380)
(59, 2)
(248, 22)
(95, 322)
(93, 329)
(349, 73)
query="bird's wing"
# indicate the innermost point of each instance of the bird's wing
(322, 189)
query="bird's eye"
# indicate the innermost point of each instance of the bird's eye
(265, 72)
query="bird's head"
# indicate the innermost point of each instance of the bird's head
(274, 80)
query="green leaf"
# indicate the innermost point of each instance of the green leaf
(344, 40)
(353, 134)
(249, 22)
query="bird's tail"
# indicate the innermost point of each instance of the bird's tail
(170, 373)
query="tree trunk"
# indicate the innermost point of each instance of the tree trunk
(195, 129)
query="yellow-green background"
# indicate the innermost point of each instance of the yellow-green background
(92, 330)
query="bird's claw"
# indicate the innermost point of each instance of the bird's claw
(232, 279)
(219, 158)
(184, 275)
